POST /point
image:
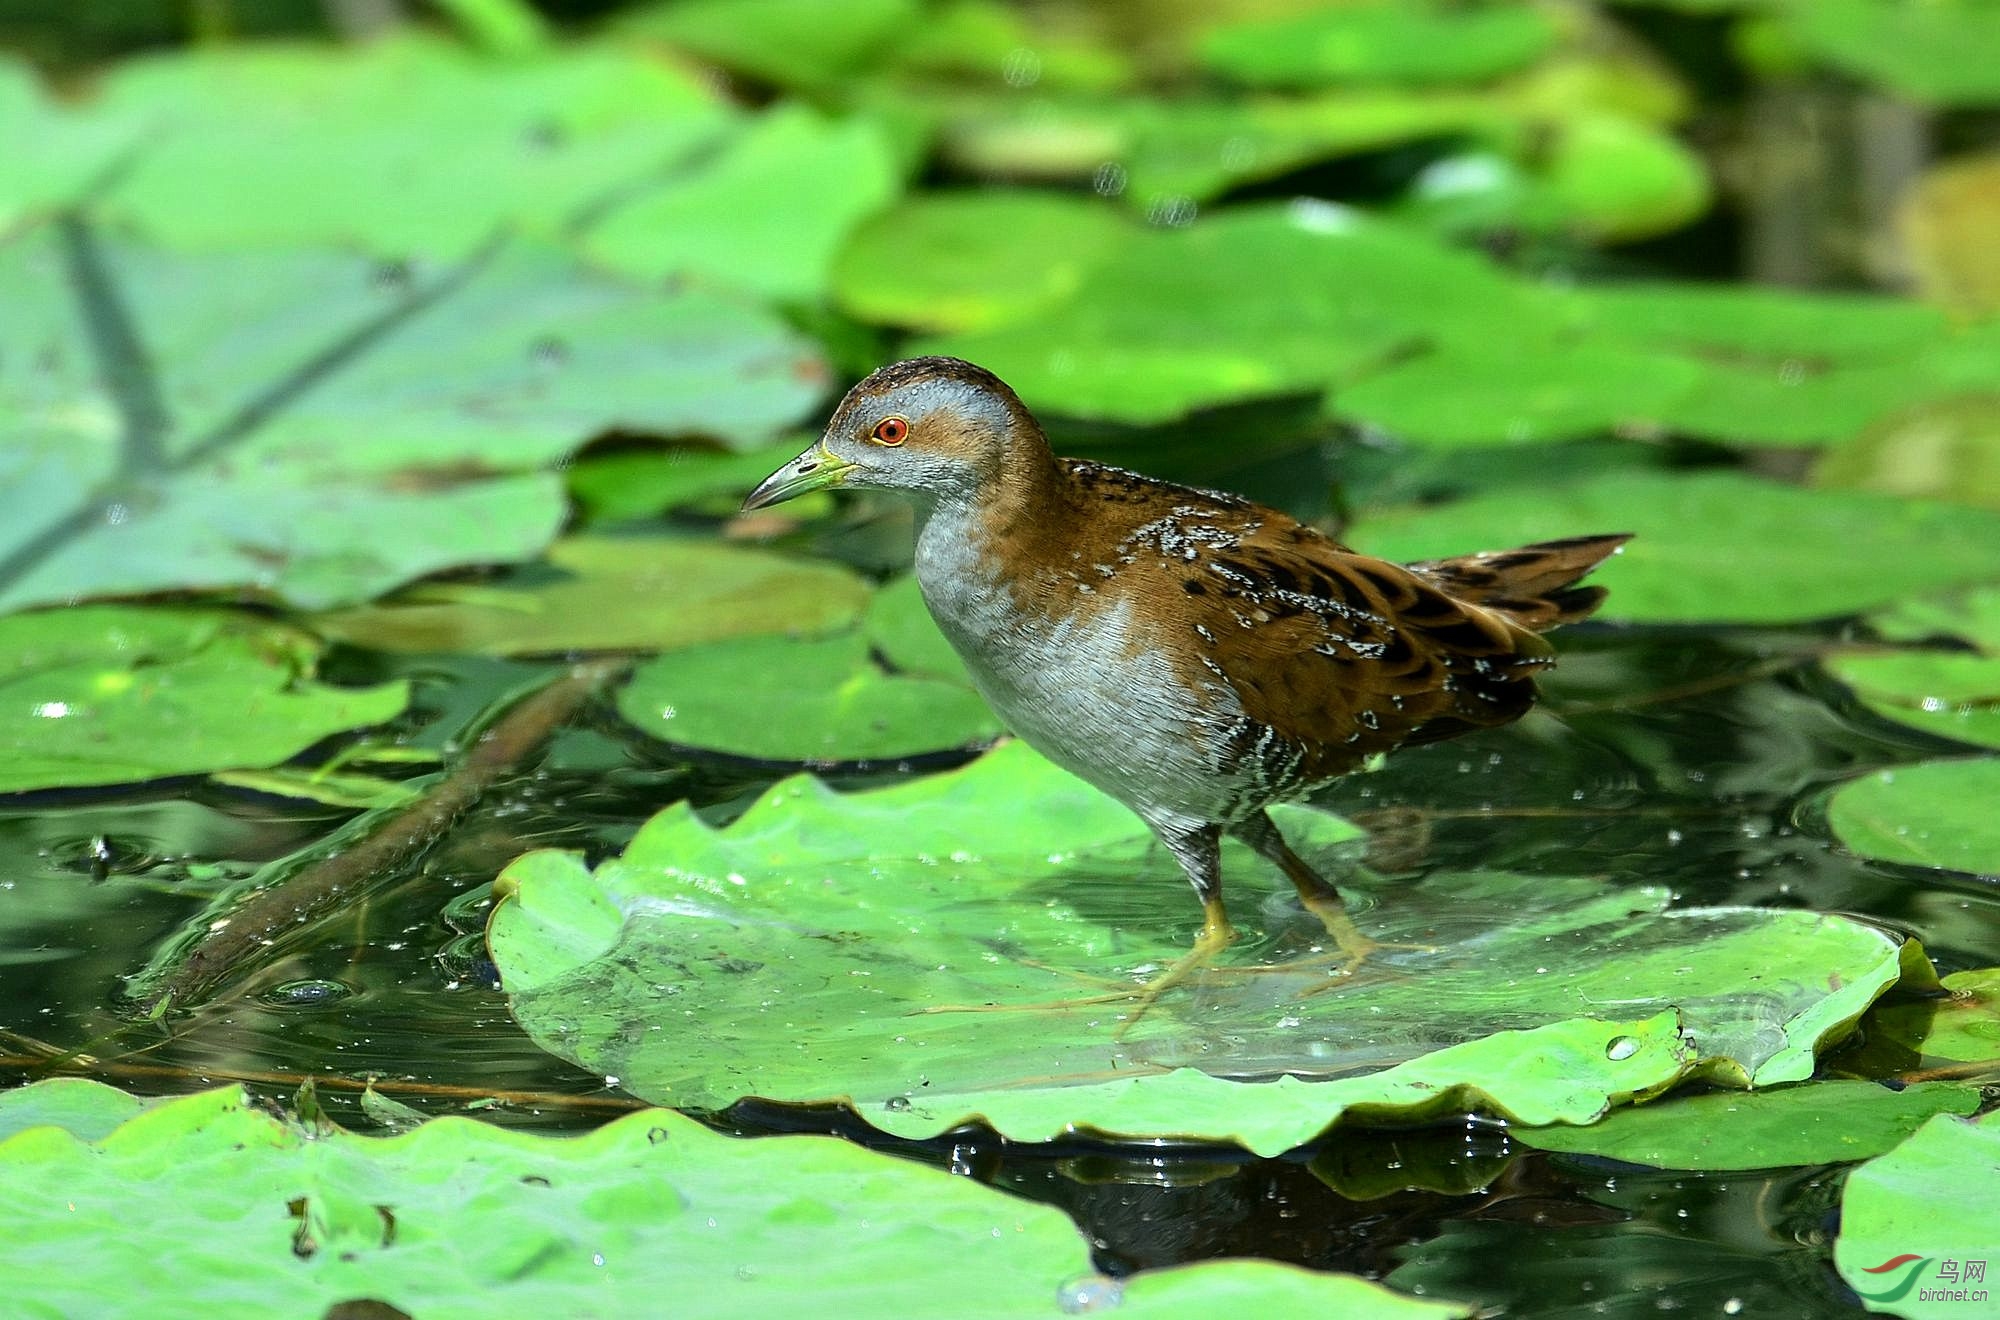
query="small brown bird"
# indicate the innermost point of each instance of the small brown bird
(1192, 654)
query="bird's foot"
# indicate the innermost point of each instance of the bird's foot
(1216, 935)
(1351, 948)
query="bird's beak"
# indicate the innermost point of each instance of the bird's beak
(816, 469)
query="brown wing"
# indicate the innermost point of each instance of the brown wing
(1344, 655)
(1332, 655)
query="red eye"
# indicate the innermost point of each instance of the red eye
(891, 431)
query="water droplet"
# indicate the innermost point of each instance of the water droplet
(1621, 1047)
(1090, 1293)
(896, 1104)
(1109, 181)
(1021, 68)
(1172, 212)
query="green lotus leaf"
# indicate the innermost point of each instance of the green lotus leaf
(973, 260)
(1380, 42)
(1960, 1026)
(406, 147)
(1126, 347)
(1718, 546)
(999, 44)
(54, 155)
(1973, 616)
(250, 1214)
(625, 484)
(1945, 52)
(1948, 693)
(87, 1110)
(785, 699)
(900, 628)
(766, 216)
(1937, 813)
(1165, 154)
(114, 695)
(1737, 365)
(1733, 322)
(1494, 394)
(311, 427)
(1812, 1123)
(1608, 176)
(1614, 178)
(819, 949)
(808, 44)
(614, 594)
(1912, 1220)
(1792, 403)
(1951, 693)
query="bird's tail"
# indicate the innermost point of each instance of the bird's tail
(1535, 586)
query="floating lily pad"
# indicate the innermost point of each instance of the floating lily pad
(406, 147)
(793, 43)
(1960, 1026)
(248, 1212)
(1492, 393)
(766, 216)
(1124, 347)
(1614, 178)
(316, 428)
(900, 628)
(1951, 693)
(85, 1109)
(804, 952)
(1734, 321)
(614, 594)
(1720, 547)
(638, 483)
(54, 155)
(973, 260)
(1813, 1123)
(1381, 42)
(1911, 1220)
(116, 695)
(1944, 52)
(1939, 813)
(785, 699)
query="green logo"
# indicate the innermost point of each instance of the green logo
(1909, 1264)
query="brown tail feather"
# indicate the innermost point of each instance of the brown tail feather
(1535, 586)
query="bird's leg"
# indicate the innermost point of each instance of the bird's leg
(1319, 897)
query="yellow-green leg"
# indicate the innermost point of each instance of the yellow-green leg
(1320, 898)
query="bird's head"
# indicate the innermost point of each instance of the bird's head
(935, 426)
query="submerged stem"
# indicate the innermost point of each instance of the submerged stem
(382, 848)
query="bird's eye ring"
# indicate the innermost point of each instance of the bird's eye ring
(890, 431)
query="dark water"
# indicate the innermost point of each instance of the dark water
(1695, 759)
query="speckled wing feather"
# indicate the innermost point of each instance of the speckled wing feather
(1334, 656)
